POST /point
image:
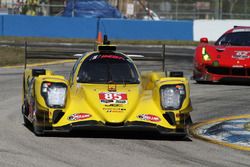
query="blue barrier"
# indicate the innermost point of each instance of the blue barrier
(55, 27)
(87, 28)
(1, 26)
(147, 30)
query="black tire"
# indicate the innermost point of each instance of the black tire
(202, 82)
(189, 120)
(38, 131)
(181, 136)
(26, 122)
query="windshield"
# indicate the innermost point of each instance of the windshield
(235, 39)
(108, 68)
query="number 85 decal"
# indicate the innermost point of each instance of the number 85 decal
(112, 96)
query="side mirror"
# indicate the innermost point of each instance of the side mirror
(204, 40)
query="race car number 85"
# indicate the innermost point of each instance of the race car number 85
(112, 96)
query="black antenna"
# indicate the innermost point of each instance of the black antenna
(105, 40)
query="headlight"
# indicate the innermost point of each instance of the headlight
(54, 94)
(172, 96)
(205, 55)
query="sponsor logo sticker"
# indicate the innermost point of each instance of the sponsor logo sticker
(149, 117)
(114, 109)
(111, 57)
(241, 55)
(113, 105)
(79, 116)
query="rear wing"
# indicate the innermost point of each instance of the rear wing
(57, 51)
(146, 54)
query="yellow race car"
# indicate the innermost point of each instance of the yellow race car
(105, 91)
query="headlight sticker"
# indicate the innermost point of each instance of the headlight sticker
(149, 117)
(205, 55)
(180, 89)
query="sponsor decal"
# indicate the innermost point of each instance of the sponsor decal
(79, 116)
(112, 88)
(180, 89)
(242, 30)
(149, 117)
(113, 98)
(113, 105)
(111, 57)
(241, 55)
(237, 66)
(114, 109)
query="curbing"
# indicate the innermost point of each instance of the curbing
(193, 128)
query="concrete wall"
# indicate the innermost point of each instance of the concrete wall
(213, 29)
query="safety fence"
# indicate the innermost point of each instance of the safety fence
(141, 9)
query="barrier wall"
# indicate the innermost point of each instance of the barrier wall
(213, 29)
(62, 27)
(55, 27)
(147, 30)
(120, 29)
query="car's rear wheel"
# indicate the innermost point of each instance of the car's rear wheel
(24, 111)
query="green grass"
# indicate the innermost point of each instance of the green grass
(11, 56)
(15, 55)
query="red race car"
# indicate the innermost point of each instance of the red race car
(228, 59)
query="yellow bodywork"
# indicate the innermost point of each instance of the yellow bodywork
(84, 98)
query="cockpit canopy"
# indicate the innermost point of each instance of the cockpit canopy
(108, 68)
(238, 38)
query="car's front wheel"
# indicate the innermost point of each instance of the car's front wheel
(38, 130)
(25, 119)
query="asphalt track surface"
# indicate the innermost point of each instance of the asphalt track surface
(19, 147)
